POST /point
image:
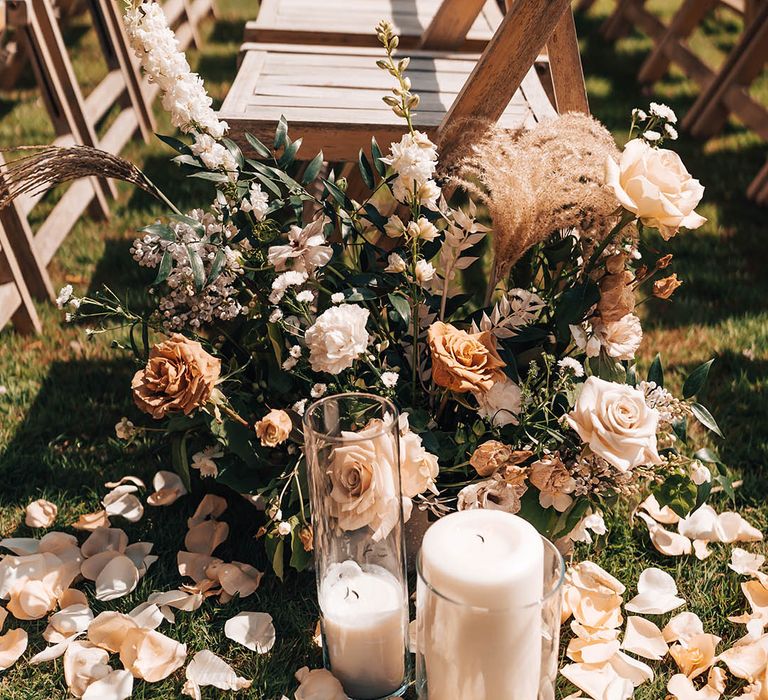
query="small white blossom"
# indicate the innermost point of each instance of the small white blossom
(395, 263)
(663, 112)
(125, 429)
(572, 366)
(699, 473)
(292, 278)
(275, 316)
(318, 390)
(204, 461)
(65, 294)
(639, 114)
(284, 528)
(425, 271)
(671, 131)
(305, 297)
(305, 250)
(390, 379)
(289, 363)
(422, 229)
(337, 297)
(295, 351)
(300, 407)
(651, 135)
(257, 202)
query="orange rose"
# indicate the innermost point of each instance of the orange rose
(274, 428)
(463, 361)
(179, 376)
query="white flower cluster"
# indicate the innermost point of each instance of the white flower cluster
(414, 160)
(183, 92)
(257, 202)
(670, 408)
(183, 306)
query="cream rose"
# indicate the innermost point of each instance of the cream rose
(337, 338)
(363, 479)
(616, 423)
(418, 468)
(463, 361)
(495, 493)
(620, 339)
(501, 403)
(653, 184)
(274, 428)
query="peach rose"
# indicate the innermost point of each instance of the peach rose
(616, 423)
(653, 184)
(617, 298)
(179, 376)
(550, 476)
(463, 361)
(493, 455)
(274, 428)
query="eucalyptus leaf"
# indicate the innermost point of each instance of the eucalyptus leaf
(258, 146)
(160, 230)
(696, 380)
(216, 267)
(163, 269)
(365, 169)
(705, 418)
(281, 133)
(313, 169)
(176, 144)
(401, 307)
(656, 372)
(381, 168)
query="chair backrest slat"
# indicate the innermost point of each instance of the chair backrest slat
(450, 25)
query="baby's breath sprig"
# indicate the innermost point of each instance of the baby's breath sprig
(655, 125)
(402, 101)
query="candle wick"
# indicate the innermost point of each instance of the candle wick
(354, 593)
(482, 539)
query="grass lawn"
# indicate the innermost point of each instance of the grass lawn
(64, 393)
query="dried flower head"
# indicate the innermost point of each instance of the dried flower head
(665, 288)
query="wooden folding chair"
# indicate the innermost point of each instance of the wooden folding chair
(758, 190)
(433, 24)
(15, 301)
(332, 95)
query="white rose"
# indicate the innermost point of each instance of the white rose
(653, 184)
(501, 403)
(616, 423)
(364, 483)
(337, 338)
(418, 468)
(425, 271)
(620, 339)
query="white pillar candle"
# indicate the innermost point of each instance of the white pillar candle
(365, 619)
(479, 621)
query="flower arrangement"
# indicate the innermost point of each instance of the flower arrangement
(511, 359)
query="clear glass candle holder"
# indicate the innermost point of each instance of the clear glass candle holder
(353, 461)
(492, 650)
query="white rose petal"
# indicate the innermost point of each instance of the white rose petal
(122, 501)
(118, 578)
(682, 688)
(253, 630)
(656, 594)
(644, 638)
(745, 563)
(673, 544)
(207, 669)
(12, 645)
(40, 513)
(116, 685)
(683, 627)
(168, 489)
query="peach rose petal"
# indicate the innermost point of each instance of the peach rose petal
(701, 549)
(152, 656)
(12, 645)
(254, 630)
(21, 546)
(118, 578)
(238, 578)
(697, 655)
(631, 669)
(54, 651)
(92, 521)
(195, 565)
(599, 681)
(681, 687)
(168, 489)
(103, 539)
(210, 507)
(32, 600)
(3, 617)
(204, 537)
(589, 576)
(318, 684)
(207, 669)
(71, 620)
(592, 651)
(40, 513)
(747, 661)
(682, 627)
(128, 479)
(84, 664)
(147, 616)
(673, 544)
(116, 685)
(702, 524)
(665, 515)
(93, 566)
(717, 679)
(109, 628)
(122, 501)
(744, 562)
(656, 594)
(644, 638)
(139, 554)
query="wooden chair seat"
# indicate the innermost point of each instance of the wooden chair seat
(344, 23)
(331, 96)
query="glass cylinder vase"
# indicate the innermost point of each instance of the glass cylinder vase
(353, 461)
(488, 608)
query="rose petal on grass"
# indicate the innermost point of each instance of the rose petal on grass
(717, 679)
(697, 655)
(318, 683)
(40, 513)
(195, 565)
(181, 600)
(21, 546)
(702, 524)
(147, 615)
(92, 521)
(109, 629)
(168, 489)
(54, 651)
(254, 630)
(682, 627)
(128, 479)
(105, 539)
(32, 600)
(122, 502)
(701, 549)
(152, 656)
(587, 575)
(656, 594)
(118, 578)
(237, 578)
(631, 669)
(84, 664)
(116, 685)
(592, 651)
(673, 544)
(204, 537)
(744, 562)
(210, 507)
(643, 638)
(596, 680)
(72, 619)
(93, 566)
(12, 645)
(747, 661)
(664, 515)
(207, 669)
(681, 688)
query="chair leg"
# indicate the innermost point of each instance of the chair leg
(758, 189)
(619, 24)
(565, 67)
(24, 318)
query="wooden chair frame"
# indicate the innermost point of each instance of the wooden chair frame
(15, 300)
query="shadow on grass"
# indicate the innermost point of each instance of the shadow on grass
(227, 31)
